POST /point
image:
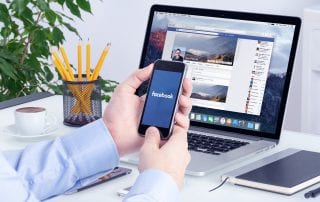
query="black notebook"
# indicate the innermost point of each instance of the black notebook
(285, 172)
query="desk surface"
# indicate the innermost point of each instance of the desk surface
(195, 189)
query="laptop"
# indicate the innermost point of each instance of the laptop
(240, 65)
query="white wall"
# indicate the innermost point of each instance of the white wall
(311, 71)
(123, 23)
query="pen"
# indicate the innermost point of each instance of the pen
(313, 193)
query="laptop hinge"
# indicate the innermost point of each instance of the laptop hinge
(230, 134)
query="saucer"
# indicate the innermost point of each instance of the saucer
(12, 131)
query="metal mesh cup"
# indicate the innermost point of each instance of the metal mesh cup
(81, 102)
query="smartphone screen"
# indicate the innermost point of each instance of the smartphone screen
(163, 92)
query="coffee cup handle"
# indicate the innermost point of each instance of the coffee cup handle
(51, 121)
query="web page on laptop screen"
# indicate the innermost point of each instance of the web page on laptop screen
(237, 67)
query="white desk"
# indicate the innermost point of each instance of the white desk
(195, 189)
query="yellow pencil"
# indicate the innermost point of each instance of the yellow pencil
(59, 65)
(88, 52)
(58, 68)
(79, 61)
(98, 67)
(66, 61)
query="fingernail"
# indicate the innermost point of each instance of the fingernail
(152, 130)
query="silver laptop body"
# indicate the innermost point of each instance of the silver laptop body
(203, 163)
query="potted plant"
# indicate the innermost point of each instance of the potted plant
(28, 29)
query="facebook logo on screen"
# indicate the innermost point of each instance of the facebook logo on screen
(161, 99)
(166, 96)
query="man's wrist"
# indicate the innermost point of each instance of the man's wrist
(111, 131)
(156, 184)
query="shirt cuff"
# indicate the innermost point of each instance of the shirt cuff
(91, 149)
(155, 185)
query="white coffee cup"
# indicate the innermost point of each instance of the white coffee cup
(32, 120)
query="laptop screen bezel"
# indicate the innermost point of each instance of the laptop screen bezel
(240, 16)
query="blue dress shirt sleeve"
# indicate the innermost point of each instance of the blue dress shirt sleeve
(46, 169)
(50, 168)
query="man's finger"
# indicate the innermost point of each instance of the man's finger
(185, 104)
(182, 120)
(143, 98)
(187, 87)
(179, 135)
(152, 138)
(137, 78)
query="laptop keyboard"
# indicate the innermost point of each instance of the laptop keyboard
(212, 145)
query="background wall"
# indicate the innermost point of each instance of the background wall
(123, 23)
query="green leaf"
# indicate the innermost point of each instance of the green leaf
(5, 54)
(61, 2)
(74, 9)
(57, 35)
(59, 18)
(48, 73)
(84, 5)
(106, 98)
(58, 89)
(7, 69)
(64, 15)
(15, 47)
(4, 14)
(20, 5)
(5, 32)
(32, 64)
(27, 18)
(70, 28)
(51, 17)
(49, 36)
(43, 5)
(39, 46)
(39, 35)
(14, 29)
(40, 50)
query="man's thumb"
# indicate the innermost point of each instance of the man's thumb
(152, 137)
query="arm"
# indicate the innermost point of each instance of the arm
(9, 181)
(50, 168)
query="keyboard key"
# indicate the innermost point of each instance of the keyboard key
(212, 145)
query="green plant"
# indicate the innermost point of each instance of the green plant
(28, 28)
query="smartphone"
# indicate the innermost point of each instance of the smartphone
(162, 97)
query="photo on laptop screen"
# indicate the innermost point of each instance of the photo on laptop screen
(238, 67)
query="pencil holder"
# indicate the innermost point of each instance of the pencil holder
(81, 102)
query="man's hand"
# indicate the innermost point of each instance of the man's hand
(172, 158)
(123, 113)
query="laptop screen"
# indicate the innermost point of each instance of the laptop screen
(239, 65)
